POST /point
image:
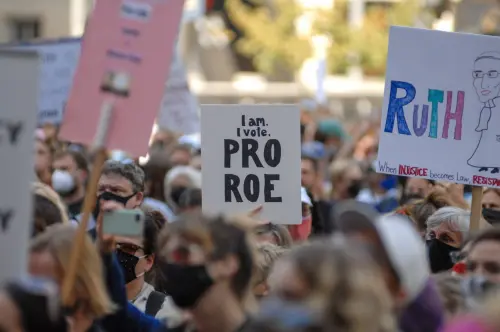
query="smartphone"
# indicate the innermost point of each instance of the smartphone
(123, 223)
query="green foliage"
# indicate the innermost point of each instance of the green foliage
(272, 39)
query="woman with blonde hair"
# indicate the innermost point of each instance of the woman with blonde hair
(49, 258)
(337, 286)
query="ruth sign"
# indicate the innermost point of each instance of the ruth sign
(441, 115)
(251, 157)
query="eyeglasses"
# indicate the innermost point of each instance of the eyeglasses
(480, 74)
(129, 248)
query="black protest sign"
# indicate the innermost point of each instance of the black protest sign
(258, 162)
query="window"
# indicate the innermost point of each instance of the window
(23, 29)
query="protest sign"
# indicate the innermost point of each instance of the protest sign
(179, 107)
(193, 9)
(125, 59)
(441, 107)
(19, 93)
(58, 64)
(251, 156)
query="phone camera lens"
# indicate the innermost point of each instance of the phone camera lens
(137, 218)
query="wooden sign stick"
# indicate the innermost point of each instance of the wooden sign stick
(475, 211)
(88, 203)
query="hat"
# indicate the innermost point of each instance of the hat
(331, 128)
(406, 251)
(304, 197)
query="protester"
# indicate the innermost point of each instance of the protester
(491, 205)
(418, 186)
(208, 266)
(452, 295)
(483, 258)
(137, 259)
(402, 255)
(382, 191)
(48, 208)
(177, 180)
(181, 155)
(43, 161)
(274, 234)
(31, 305)
(346, 178)
(302, 231)
(190, 201)
(49, 258)
(267, 255)
(69, 179)
(332, 285)
(155, 170)
(447, 229)
(120, 183)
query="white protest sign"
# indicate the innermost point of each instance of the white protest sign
(441, 107)
(193, 9)
(251, 157)
(59, 60)
(179, 108)
(19, 93)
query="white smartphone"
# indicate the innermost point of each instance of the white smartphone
(123, 223)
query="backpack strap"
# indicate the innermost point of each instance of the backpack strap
(154, 303)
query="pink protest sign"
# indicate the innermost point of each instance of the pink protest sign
(125, 59)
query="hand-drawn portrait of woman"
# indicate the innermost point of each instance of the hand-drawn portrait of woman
(486, 76)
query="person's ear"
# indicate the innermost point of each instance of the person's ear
(150, 260)
(140, 197)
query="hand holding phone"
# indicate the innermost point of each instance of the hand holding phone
(128, 223)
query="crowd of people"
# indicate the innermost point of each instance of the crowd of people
(374, 252)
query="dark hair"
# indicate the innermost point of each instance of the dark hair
(130, 171)
(190, 198)
(80, 160)
(219, 238)
(153, 223)
(45, 214)
(313, 161)
(154, 171)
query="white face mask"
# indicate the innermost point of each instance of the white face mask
(62, 182)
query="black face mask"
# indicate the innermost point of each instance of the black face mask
(492, 216)
(176, 194)
(128, 263)
(186, 284)
(108, 196)
(439, 255)
(354, 188)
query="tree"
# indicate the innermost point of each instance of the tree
(270, 39)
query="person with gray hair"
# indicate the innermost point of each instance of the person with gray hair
(121, 186)
(447, 228)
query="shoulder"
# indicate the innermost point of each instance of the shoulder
(169, 312)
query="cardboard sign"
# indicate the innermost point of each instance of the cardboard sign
(19, 95)
(441, 107)
(59, 59)
(179, 108)
(126, 54)
(251, 157)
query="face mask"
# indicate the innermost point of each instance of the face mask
(176, 194)
(62, 182)
(186, 284)
(289, 314)
(492, 216)
(439, 255)
(107, 196)
(354, 188)
(128, 263)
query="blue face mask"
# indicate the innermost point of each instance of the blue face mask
(289, 314)
(389, 182)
